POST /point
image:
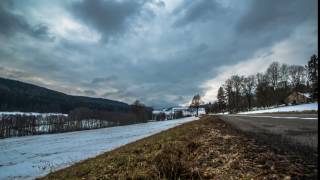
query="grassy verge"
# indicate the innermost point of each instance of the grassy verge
(204, 149)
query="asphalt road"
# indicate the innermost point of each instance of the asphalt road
(298, 128)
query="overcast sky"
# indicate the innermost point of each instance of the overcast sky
(161, 52)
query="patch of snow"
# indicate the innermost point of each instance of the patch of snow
(223, 113)
(201, 111)
(307, 95)
(275, 117)
(33, 156)
(293, 108)
(156, 112)
(32, 114)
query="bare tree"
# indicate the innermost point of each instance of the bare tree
(229, 94)
(296, 76)
(273, 73)
(237, 81)
(284, 75)
(221, 99)
(196, 102)
(140, 110)
(262, 89)
(248, 88)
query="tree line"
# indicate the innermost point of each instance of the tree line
(271, 88)
(83, 112)
(78, 119)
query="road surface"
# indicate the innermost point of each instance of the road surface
(298, 128)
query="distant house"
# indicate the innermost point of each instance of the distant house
(201, 111)
(298, 98)
(171, 113)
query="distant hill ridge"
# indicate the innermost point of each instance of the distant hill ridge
(20, 96)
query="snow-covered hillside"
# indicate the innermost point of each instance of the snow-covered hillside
(32, 114)
(32, 156)
(293, 108)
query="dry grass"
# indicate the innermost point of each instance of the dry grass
(204, 149)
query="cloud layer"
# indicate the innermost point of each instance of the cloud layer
(158, 51)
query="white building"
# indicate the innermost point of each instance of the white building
(175, 112)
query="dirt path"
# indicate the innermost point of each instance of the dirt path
(205, 149)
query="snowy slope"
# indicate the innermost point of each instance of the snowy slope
(32, 156)
(295, 108)
(31, 114)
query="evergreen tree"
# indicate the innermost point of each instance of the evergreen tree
(312, 69)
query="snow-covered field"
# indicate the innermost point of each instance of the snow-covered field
(32, 156)
(294, 108)
(32, 114)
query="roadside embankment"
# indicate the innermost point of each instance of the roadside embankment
(205, 149)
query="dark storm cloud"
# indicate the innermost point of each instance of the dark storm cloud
(12, 23)
(110, 18)
(268, 22)
(273, 15)
(162, 61)
(193, 11)
(41, 31)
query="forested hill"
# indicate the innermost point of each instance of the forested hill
(19, 96)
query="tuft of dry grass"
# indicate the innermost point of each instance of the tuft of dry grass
(204, 149)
